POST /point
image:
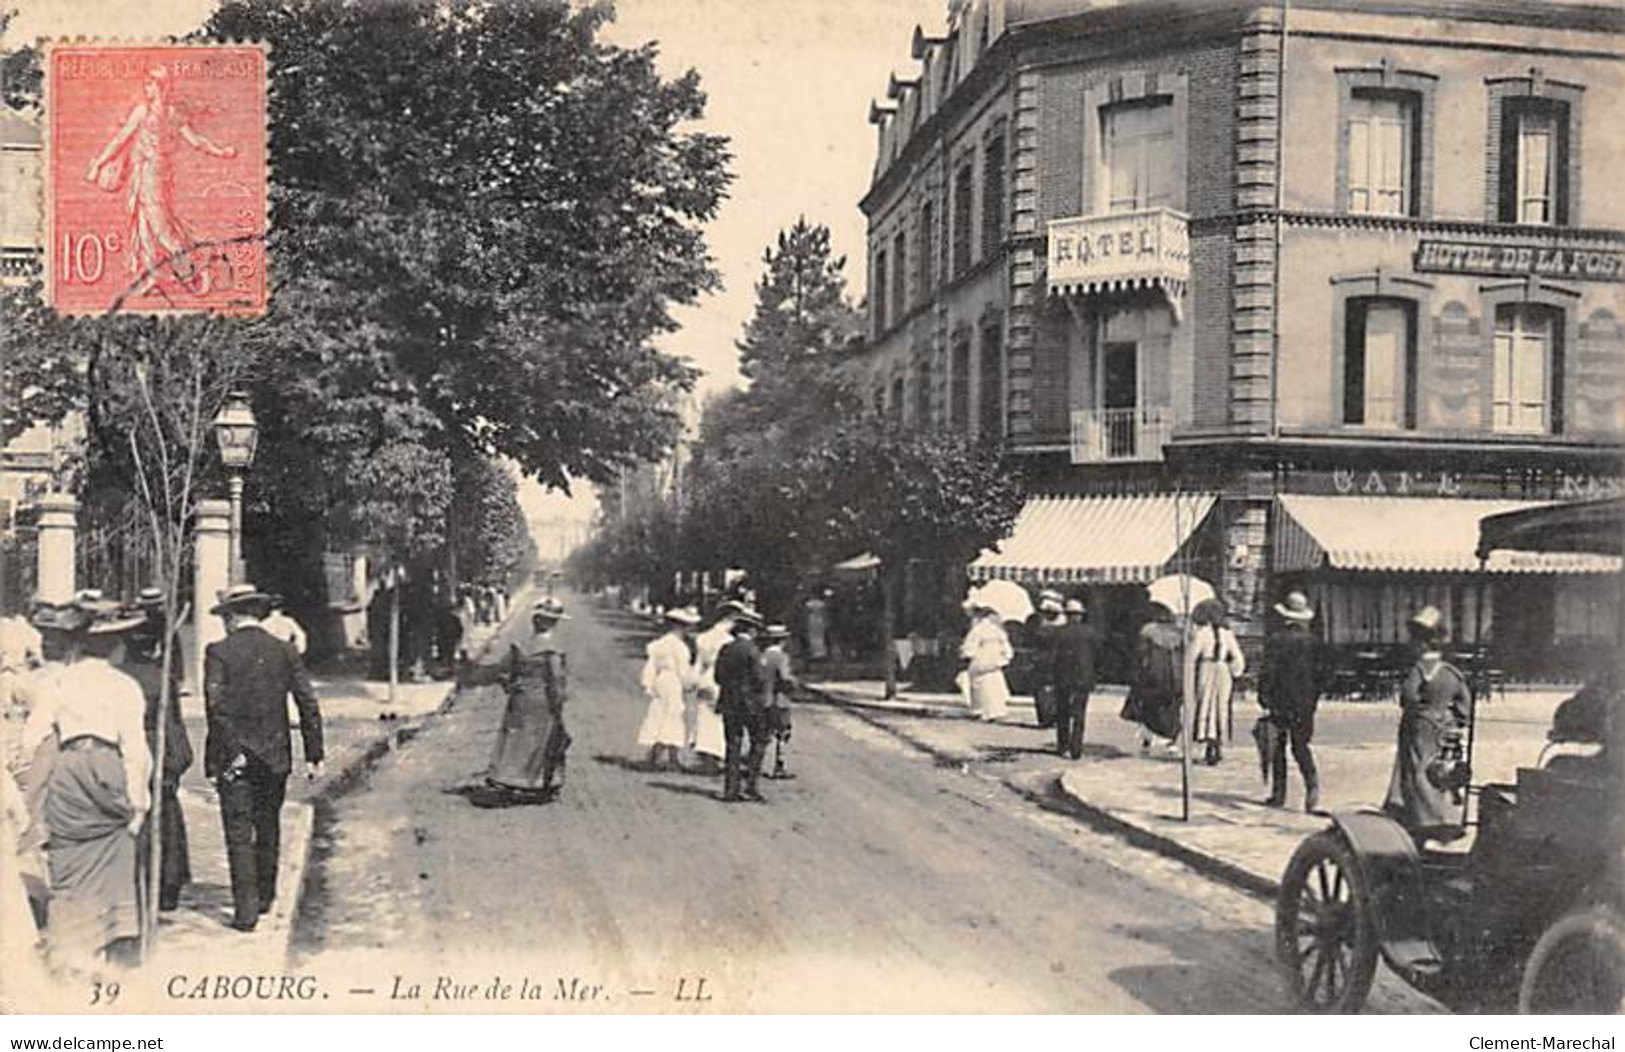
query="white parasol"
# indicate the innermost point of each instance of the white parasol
(1007, 598)
(1179, 592)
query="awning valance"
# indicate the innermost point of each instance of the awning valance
(1102, 540)
(1407, 535)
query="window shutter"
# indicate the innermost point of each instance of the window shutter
(1354, 362)
(1507, 210)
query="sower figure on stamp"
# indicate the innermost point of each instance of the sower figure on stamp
(144, 662)
(741, 703)
(247, 678)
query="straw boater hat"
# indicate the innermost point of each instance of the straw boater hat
(230, 600)
(1049, 601)
(549, 608)
(150, 596)
(1428, 619)
(683, 615)
(1296, 608)
(1075, 606)
(776, 632)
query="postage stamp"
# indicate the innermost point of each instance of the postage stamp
(156, 162)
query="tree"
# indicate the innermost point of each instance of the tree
(870, 485)
(501, 204)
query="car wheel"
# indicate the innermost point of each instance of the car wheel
(1577, 966)
(1325, 937)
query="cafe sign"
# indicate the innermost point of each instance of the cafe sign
(1516, 261)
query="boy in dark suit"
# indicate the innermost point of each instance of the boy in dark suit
(247, 679)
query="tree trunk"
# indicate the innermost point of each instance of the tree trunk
(888, 622)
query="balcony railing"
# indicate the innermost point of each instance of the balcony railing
(1106, 435)
(1129, 250)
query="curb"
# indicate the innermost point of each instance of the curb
(1211, 866)
(1067, 801)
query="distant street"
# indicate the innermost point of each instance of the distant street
(874, 880)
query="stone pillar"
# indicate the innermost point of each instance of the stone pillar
(211, 574)
(58, 523)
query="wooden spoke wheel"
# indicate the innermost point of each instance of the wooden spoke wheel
(1577, 966)
(1325, 937)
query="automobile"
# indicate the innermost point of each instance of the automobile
(1527, 910)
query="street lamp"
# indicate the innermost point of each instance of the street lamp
(237, 432)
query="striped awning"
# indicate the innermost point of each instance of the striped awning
(1098, 540)
(1407, 535)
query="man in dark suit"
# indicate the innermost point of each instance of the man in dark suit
(1074, 647)
(247, 679)
(740, 701)
(1289, 690)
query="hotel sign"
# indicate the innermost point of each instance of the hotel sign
(1090, 254)
(1516, 261)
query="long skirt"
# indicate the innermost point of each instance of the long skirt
(989, 694)
(1213, 686)
(1413, 800)
(531, 744)
(90, 854)
(663, 722)
(703, 726)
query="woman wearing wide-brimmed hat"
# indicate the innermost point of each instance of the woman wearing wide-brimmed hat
(95, 782)
(1435, 701)
(1213, 660)
(987, 651)
(668, 679)
(528, 764)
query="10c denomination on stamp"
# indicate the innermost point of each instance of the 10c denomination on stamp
(156, 178)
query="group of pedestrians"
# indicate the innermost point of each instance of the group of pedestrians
(95, 744)
(718, 696)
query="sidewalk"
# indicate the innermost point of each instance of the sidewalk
(1231, 836)
(359, 726)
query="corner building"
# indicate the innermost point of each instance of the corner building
(1288, 295)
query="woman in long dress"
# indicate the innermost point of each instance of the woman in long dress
(1213, 660)
(96, 791)
(703, 723)
(528, 763)
(987, 651)
(1435, 701)
(668, 678)
(1153, 699)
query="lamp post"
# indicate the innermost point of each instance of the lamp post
(237, 433)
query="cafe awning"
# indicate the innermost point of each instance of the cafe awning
(1407, 535)
(1100, 540)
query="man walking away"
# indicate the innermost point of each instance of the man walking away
(1289, 690)
(740, 701)
(1076, 643)
(247, 678)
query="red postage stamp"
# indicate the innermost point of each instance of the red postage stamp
(156, 178)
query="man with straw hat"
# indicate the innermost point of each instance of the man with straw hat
(777, 682)
(247, 678)
(1289, 690)
(740, 701)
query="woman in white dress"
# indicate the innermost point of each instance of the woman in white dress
(704, 723)
(987, 649)
(1213, 661)
(668, 679)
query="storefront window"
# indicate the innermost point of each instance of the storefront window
(1585, 611)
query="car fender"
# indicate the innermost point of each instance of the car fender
(1391, 870)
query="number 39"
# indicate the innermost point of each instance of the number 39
(84, 258)
(103, 993)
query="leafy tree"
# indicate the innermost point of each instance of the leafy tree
(490, 540)
(870, 485)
